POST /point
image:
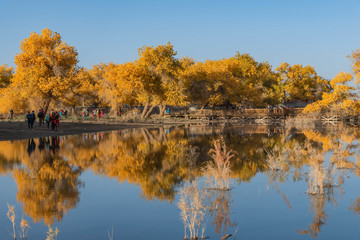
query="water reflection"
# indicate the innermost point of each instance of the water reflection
(218, 172)
(211, 197)
(201, 164)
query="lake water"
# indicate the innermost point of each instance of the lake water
(253, 182)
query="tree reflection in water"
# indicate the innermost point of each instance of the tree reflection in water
(323, 181)
(47, 183)
(160, 160)
(49, 187)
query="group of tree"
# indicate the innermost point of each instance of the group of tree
(47, 74)
(345, 96)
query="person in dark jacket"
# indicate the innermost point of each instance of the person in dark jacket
(32, 119)
(28, 118)
(41, 116)
(53, 121)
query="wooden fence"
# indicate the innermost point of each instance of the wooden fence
(244, 114)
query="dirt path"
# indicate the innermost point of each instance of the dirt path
(19, 130)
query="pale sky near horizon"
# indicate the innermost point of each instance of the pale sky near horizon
(309, 32)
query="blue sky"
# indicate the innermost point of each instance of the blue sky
(309, 32)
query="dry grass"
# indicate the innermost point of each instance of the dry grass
(276, 159)
(52, 233)
(24, 225)
(191, 158)
(316, 179)
(321, 180)
(276, 164)
(11, 216)
(218, 183)
(218, 170)
(193, 210)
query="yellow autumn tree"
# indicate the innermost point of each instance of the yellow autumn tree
(164, 86)
(301, 83)
(45, 68)
(355, 59)
(252, 82)
(6, 74)
(239, 79)
(10, 94)
(343, 98)
(82, 91)
(121, 84)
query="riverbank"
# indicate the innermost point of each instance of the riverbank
(17, 129)
(14, 130)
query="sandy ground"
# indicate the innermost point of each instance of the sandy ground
(20, 130)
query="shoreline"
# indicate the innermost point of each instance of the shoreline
(18, 130)
(14, 130)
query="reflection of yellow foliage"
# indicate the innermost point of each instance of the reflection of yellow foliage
(355, 206)
(339, 146)
(157, 160)
(49, 191)
(317, 137)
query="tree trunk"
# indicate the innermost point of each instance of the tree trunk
(150, 110)
(143, 114)
(146, 137)
(47, 104)
(162, 108)
(206, 104)
(72, 111)
(114, 110)
(227, 104)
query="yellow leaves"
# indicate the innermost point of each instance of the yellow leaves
(236, 79)
(327, 143)
(342, 98)
(341, 78)
(355, 59)
(45, 66)
(301, 83)
(6, 74)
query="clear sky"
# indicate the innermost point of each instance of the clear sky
(320, 33)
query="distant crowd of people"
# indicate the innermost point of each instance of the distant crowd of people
(95, 113)
(51, 119)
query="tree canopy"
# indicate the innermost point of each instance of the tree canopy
(47, 72)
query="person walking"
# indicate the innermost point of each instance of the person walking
(32, 119)
(28, 118)
(48, 120)
(11, 114)
(41, 116)
(53, 121)
(57, 120)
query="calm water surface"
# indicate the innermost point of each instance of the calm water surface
(253, 182)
